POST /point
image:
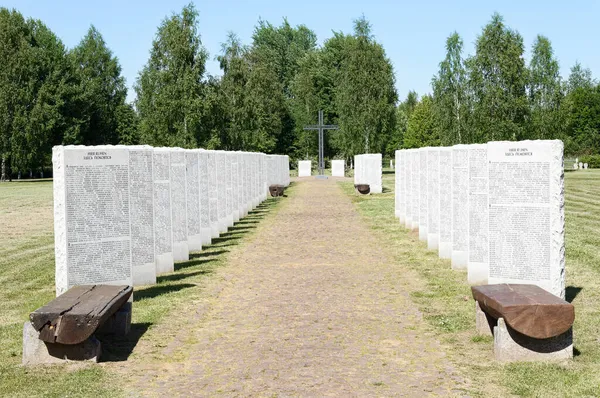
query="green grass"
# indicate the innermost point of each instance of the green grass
(27, 283)
(444, 297)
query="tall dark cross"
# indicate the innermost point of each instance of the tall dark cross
(321, 127)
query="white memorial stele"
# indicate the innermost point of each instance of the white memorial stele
(179, 220)
(92, 235)
(397, 187)
(423, 193)
(221, 184)
(337, 168)
(228, 189)
(527, 217)
(478, 264)
(141, 202)
(415, 194)
(203, 191)
(213, 200)
(585, 166)
(304, 168)
(460, 206)
(408, 188)
(163, 235)
(445, 206)
(433, 198)
(235, 176)
(192, 185)
(400, 170)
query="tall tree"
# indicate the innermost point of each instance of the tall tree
(422, 129)
(365, 94)
(579, 77)
(498, 78)
(102, 90)
(170, 88)
(450, 94)
(545, 91)
(403, 112)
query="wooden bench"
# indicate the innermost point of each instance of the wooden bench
(65, 327)
(363, 189)
(276, 190)
(527, 322)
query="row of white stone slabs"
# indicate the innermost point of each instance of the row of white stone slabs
(495, 209)
(367, 170)
(124, 214)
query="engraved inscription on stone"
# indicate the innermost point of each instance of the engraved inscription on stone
(142, 206)
(445, 223)
(162, 203)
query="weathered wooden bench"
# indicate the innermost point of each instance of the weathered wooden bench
(276, 190)
(363, 189)
(527, 322)
(64, 328)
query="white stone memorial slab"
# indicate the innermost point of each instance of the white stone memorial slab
(397, 186)
(304, 168)
(163, 235)
(460, 206)
(407, 170)
(192, 185)
(527, 218)
(337, 168)
(213, 194)
(445, 224)
(141, 202)
(228, 189)
(433, 198)
(478, 215)
(203, 181)
(423, 191)
(416, 188)
(92, 237)
(181, 250)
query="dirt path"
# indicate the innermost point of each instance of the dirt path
(311, 307)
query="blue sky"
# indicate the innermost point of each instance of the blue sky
(412, 33)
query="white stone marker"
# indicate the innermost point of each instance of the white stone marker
(445, 224)
(235, 176)
(575, 167)
(407, 170)
(433, 198)
(203, 181)
(228, 189)
(221, 191)
(141, 202)
(423, 201)
(213, 205)
(580, 165)
(478, 264)
(527, 218)
(460, 206)
(92, 237)
(192, 186)
(416, 188)
(585, 166)
(391, 164)
(397, 187)
(163, 235)
(304, 168)
(181, 251)
(337, 168)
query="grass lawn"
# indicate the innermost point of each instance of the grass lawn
(27, 282)
(444, 297)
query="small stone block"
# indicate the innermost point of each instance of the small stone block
(38, 352)
(512, 346)
(119, 324)
(483, 322)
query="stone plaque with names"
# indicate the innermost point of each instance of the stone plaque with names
(304, 168)
(163, 235)
(141, 203)
(433, 198)
(416, 189)
(526, 214)
(203, 181)
(192, 185)
(213, 194)
(337, 168)
(92, 236)
(445, 224)
(408, 188)
(460, 206)
(179, 228)
(478, 215)
(423, 201)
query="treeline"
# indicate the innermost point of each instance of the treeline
(495, 95)
(268, 91)
(274, 86)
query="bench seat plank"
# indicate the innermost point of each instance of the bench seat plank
(74, 316)
(528, 309)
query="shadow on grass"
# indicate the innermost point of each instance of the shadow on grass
(206, 253)
(571, 292)
(184, 275)
(385, 189)
(117, 349)
(388, 172)
(157, 290)
(192, 263)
